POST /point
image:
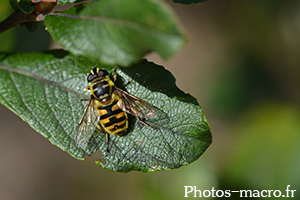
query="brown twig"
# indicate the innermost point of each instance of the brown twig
(41, 7)
(15, 19)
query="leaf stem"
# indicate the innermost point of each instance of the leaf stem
(16, 18)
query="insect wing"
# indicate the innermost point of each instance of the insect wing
(86, 126)
(135, 106)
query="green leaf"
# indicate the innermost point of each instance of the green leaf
(189, 1)
(25, 6)
(63, 2)
(31, 26)
(44, 90)
(117, 32)
(13, 4)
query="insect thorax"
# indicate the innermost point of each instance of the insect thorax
(101, 89)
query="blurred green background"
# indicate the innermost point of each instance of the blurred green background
(242, 64)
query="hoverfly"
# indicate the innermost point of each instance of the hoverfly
(107, 109)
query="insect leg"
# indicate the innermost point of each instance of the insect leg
(107, 139)
(115, 74)
(102, 130)
(141, 123)
(84, 99)
(126, 84)
(88, 88)
(99, 126)
(115, 78)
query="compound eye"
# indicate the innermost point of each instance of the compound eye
(102, 72)
(90, 77)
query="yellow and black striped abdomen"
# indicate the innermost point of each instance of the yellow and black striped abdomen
(113, 119)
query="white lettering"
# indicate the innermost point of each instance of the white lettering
(213, 191)
(195, 192)
(243, 193)
(227, 193)
(292, 195)
(246, 191)
(269, 193)
(256, 193)
(186, 192)
(287, 191)
(262, 193)
(221, 192)
(208, 195)
(274, 193)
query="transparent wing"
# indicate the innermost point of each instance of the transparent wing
(135, 106)
(86, 126)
